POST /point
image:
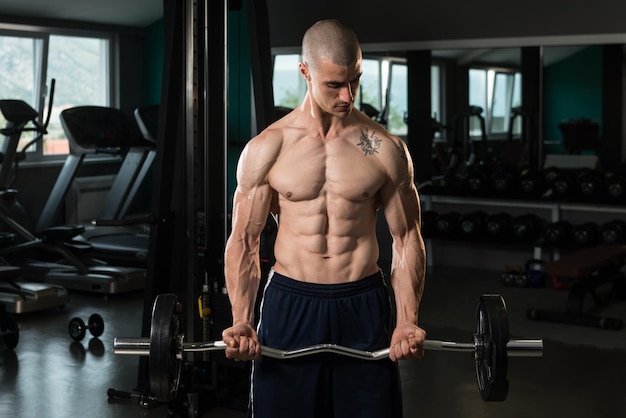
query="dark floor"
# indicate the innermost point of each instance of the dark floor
(582, 372)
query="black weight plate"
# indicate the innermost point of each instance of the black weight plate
(491, 358)
(165, 362)
(96, 325)
(10, 331)
(77, 329)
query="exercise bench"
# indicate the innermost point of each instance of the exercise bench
(586, 272)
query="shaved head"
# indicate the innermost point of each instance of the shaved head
(330, 39)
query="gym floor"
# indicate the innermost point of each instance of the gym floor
(580, 375)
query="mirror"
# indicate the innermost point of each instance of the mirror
(572, 86)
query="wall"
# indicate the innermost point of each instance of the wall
(130, 69)
(239, 93)
(409, 22)
(153, 56)
(239, 83)
(573, 89)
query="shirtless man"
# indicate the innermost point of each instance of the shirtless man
(323, 171)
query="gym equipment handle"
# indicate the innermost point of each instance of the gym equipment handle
(515, 348)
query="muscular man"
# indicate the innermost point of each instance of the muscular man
(323, 171)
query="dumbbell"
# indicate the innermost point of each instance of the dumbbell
(586, 234)
(560, 182)
(478, 179)
(526, 228)
(473, 224)
(557, 234)
(504, 180)
(448, 224)
(613, 232)
(615, 186)
(77, 327)
(589, 184)
(531, 182)
(513, 277)
(498, 226)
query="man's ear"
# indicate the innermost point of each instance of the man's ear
(304, 71)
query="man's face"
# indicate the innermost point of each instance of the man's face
(333, 87)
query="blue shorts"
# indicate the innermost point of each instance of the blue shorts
(295, 314)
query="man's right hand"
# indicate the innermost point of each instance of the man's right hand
(242, 342)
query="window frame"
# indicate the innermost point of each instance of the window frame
(491, 75)
(41, 84)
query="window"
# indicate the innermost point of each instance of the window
(477, 97)
(80, 66)
(370, 91)
(384, 87)
(506, 96)
(18, 64)
(497, 92)
(289, 86)
(398, 99)
(435, 94)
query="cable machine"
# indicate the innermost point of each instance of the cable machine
(188, 238)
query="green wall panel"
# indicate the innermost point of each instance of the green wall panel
(573, 90)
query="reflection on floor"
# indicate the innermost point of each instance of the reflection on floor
(580, 375)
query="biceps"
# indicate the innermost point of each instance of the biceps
(402, 213)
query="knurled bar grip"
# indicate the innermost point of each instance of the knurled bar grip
(515, 348)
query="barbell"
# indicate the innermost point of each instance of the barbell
(491, 347)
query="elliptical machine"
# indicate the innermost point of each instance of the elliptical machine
(19, 296)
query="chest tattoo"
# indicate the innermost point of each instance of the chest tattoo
(370, 144)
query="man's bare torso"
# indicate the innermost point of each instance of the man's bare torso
(327, 193)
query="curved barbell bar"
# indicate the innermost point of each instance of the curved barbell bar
(515, 348)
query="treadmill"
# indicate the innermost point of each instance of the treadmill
(92, 130)
(59, 262)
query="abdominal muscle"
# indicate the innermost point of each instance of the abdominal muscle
(311, 247)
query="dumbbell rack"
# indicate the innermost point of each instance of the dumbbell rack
(551, 211)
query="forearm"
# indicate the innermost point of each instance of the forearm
(408, 271)
(243, 274)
